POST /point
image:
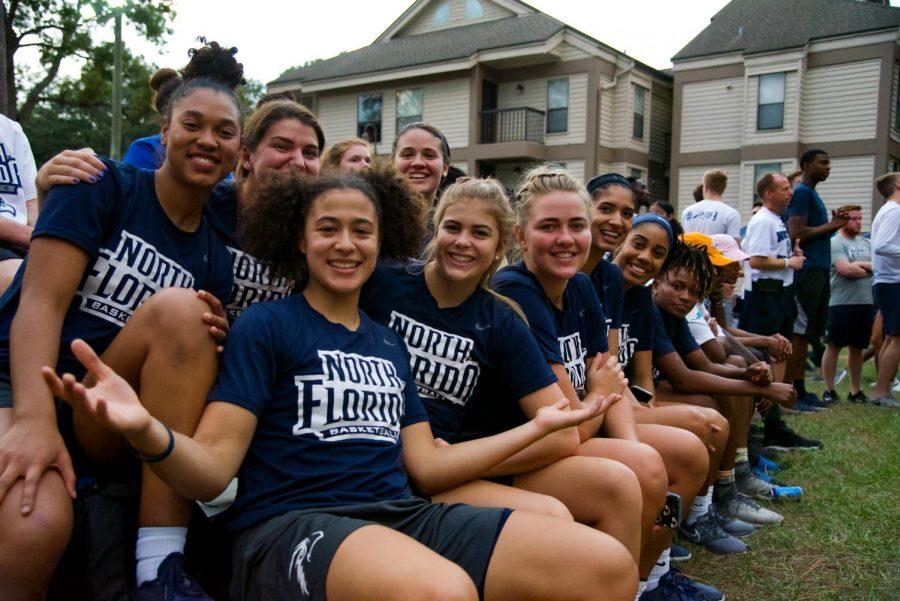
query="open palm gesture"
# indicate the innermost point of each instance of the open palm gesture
(111, 402)
(558, 415)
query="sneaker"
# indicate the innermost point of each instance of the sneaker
(830, 396)
(886, 401)
(675, 586)
(762, 462)
(811, 400)
(171, 583)
(733, 504)
(858, 397)
(751, 485)
(679, 554)
(733, 526)
(781, 438)
(707, 532)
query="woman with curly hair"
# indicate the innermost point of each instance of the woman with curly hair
(115, 263)
(350, 154)
(316, 409)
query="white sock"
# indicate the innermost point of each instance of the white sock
(153, 546)
(661, 567)
(700, 506)
(642, 586)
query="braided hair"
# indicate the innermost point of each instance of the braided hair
(693, 259)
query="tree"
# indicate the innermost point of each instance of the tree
(60, 29)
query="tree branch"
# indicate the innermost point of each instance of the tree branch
(34, 94)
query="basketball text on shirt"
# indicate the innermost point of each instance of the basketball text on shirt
(10, 181)
(355, 397)
(573, 355)
(122, 278)
(441, 362)
(253, 283)
(627, 344)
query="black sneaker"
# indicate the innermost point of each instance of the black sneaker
(830, 396)
(781, 438)
(172, 583)
(858, 397)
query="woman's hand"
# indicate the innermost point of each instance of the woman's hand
(605, 375)
(70, 167)
(217, 319)
(558, 415)
(111, 402)
(759, 373)
(28, 449)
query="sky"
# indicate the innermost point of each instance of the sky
(274, 35)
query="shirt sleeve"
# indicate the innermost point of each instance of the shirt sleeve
(81, 213)
(596, 319)
(540, 319)
(25, 162)
(142, 154)
(615, 298)
(684, 340)
(662, 344)
(838, 249)
(699, 327)
(518, 357)
(249, 364)
(887, 241)
(733, 225)
(800, 202)
(760, 241)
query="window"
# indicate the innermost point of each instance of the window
(759, 170)
(409, 107)
(636, 173)
(558, 105)
(474, 9)
(637, 127)
(770, 106)
(368, 118)
(442, 14)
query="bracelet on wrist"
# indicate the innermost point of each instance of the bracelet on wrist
(158, 457)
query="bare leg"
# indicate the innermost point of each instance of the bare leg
(8, 269)
(829, 365)
(797, 364)
(483, 493)
(887, 365)
(854, 367)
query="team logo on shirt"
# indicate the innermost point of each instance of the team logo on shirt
(123, 277)
(253, 283)
(10, 181)
(355, 397)
(573, 354)
(441, 363)
(627, 344)
(301, 557)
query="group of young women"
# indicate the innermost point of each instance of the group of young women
(405, 418)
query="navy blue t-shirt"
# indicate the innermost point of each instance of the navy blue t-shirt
(566, 337)
(636, 333)
(463, 357)
(133, 249)
(672, 335)
(610, 289)
(253, 282)
(330, 404)
(806, 203)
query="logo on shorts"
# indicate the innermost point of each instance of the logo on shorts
(301, 557)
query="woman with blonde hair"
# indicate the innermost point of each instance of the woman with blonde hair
(350, 154)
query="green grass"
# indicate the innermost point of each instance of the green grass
(842, 541)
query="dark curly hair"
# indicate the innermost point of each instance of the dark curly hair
(695, 260)
(272, 227)
(212, 67)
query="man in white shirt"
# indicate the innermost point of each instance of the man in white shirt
(886, 283)
(18, 210)
(711, 215)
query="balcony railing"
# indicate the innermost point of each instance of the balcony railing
(521, 124)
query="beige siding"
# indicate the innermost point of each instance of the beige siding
(604, 168)
(622, 113)
(622, 98)
(534, 96)
(447, 108)
(568, 52)
(424, 21)
(607, 115)
(840, 102)
(338, 117)
(689, 177)
(791, 112)
(748, 183)
(850, 182)
(660, 125)
(711, 115)
(575, 169)
(461, 165)
(895, 89)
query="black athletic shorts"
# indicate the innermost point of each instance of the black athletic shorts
(812, 291)
(6, 401)
(10, 252)
(768, 312)
(288, 556)
(887, 297)
(850, 325)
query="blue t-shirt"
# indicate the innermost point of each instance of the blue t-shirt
(806, 203)
(146, 153)
(636, 333)
(133, 250)
(567, 337)
(330, 404)
(610, 289)
(672, 335)
(253, 283)
(478, 353)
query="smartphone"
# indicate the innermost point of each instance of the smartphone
(671, 513)
(641, 394)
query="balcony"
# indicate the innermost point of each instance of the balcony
(521, 124)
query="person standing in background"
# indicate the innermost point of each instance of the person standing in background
(712, 215)
(886, 280)
(18, 208)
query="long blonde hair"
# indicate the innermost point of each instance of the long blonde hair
(331, 159)
(490, 192)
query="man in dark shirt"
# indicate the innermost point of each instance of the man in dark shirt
(808, 222)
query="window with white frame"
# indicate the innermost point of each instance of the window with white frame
(368, 117)
(637, 126)
(558, 105)
(409, 107)
(770, 101)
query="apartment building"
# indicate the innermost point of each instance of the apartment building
(767, 80)
(507, 84)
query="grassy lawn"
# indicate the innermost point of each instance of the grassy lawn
(842, 541)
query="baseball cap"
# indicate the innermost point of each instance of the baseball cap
(729, 247)
(715, 257)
